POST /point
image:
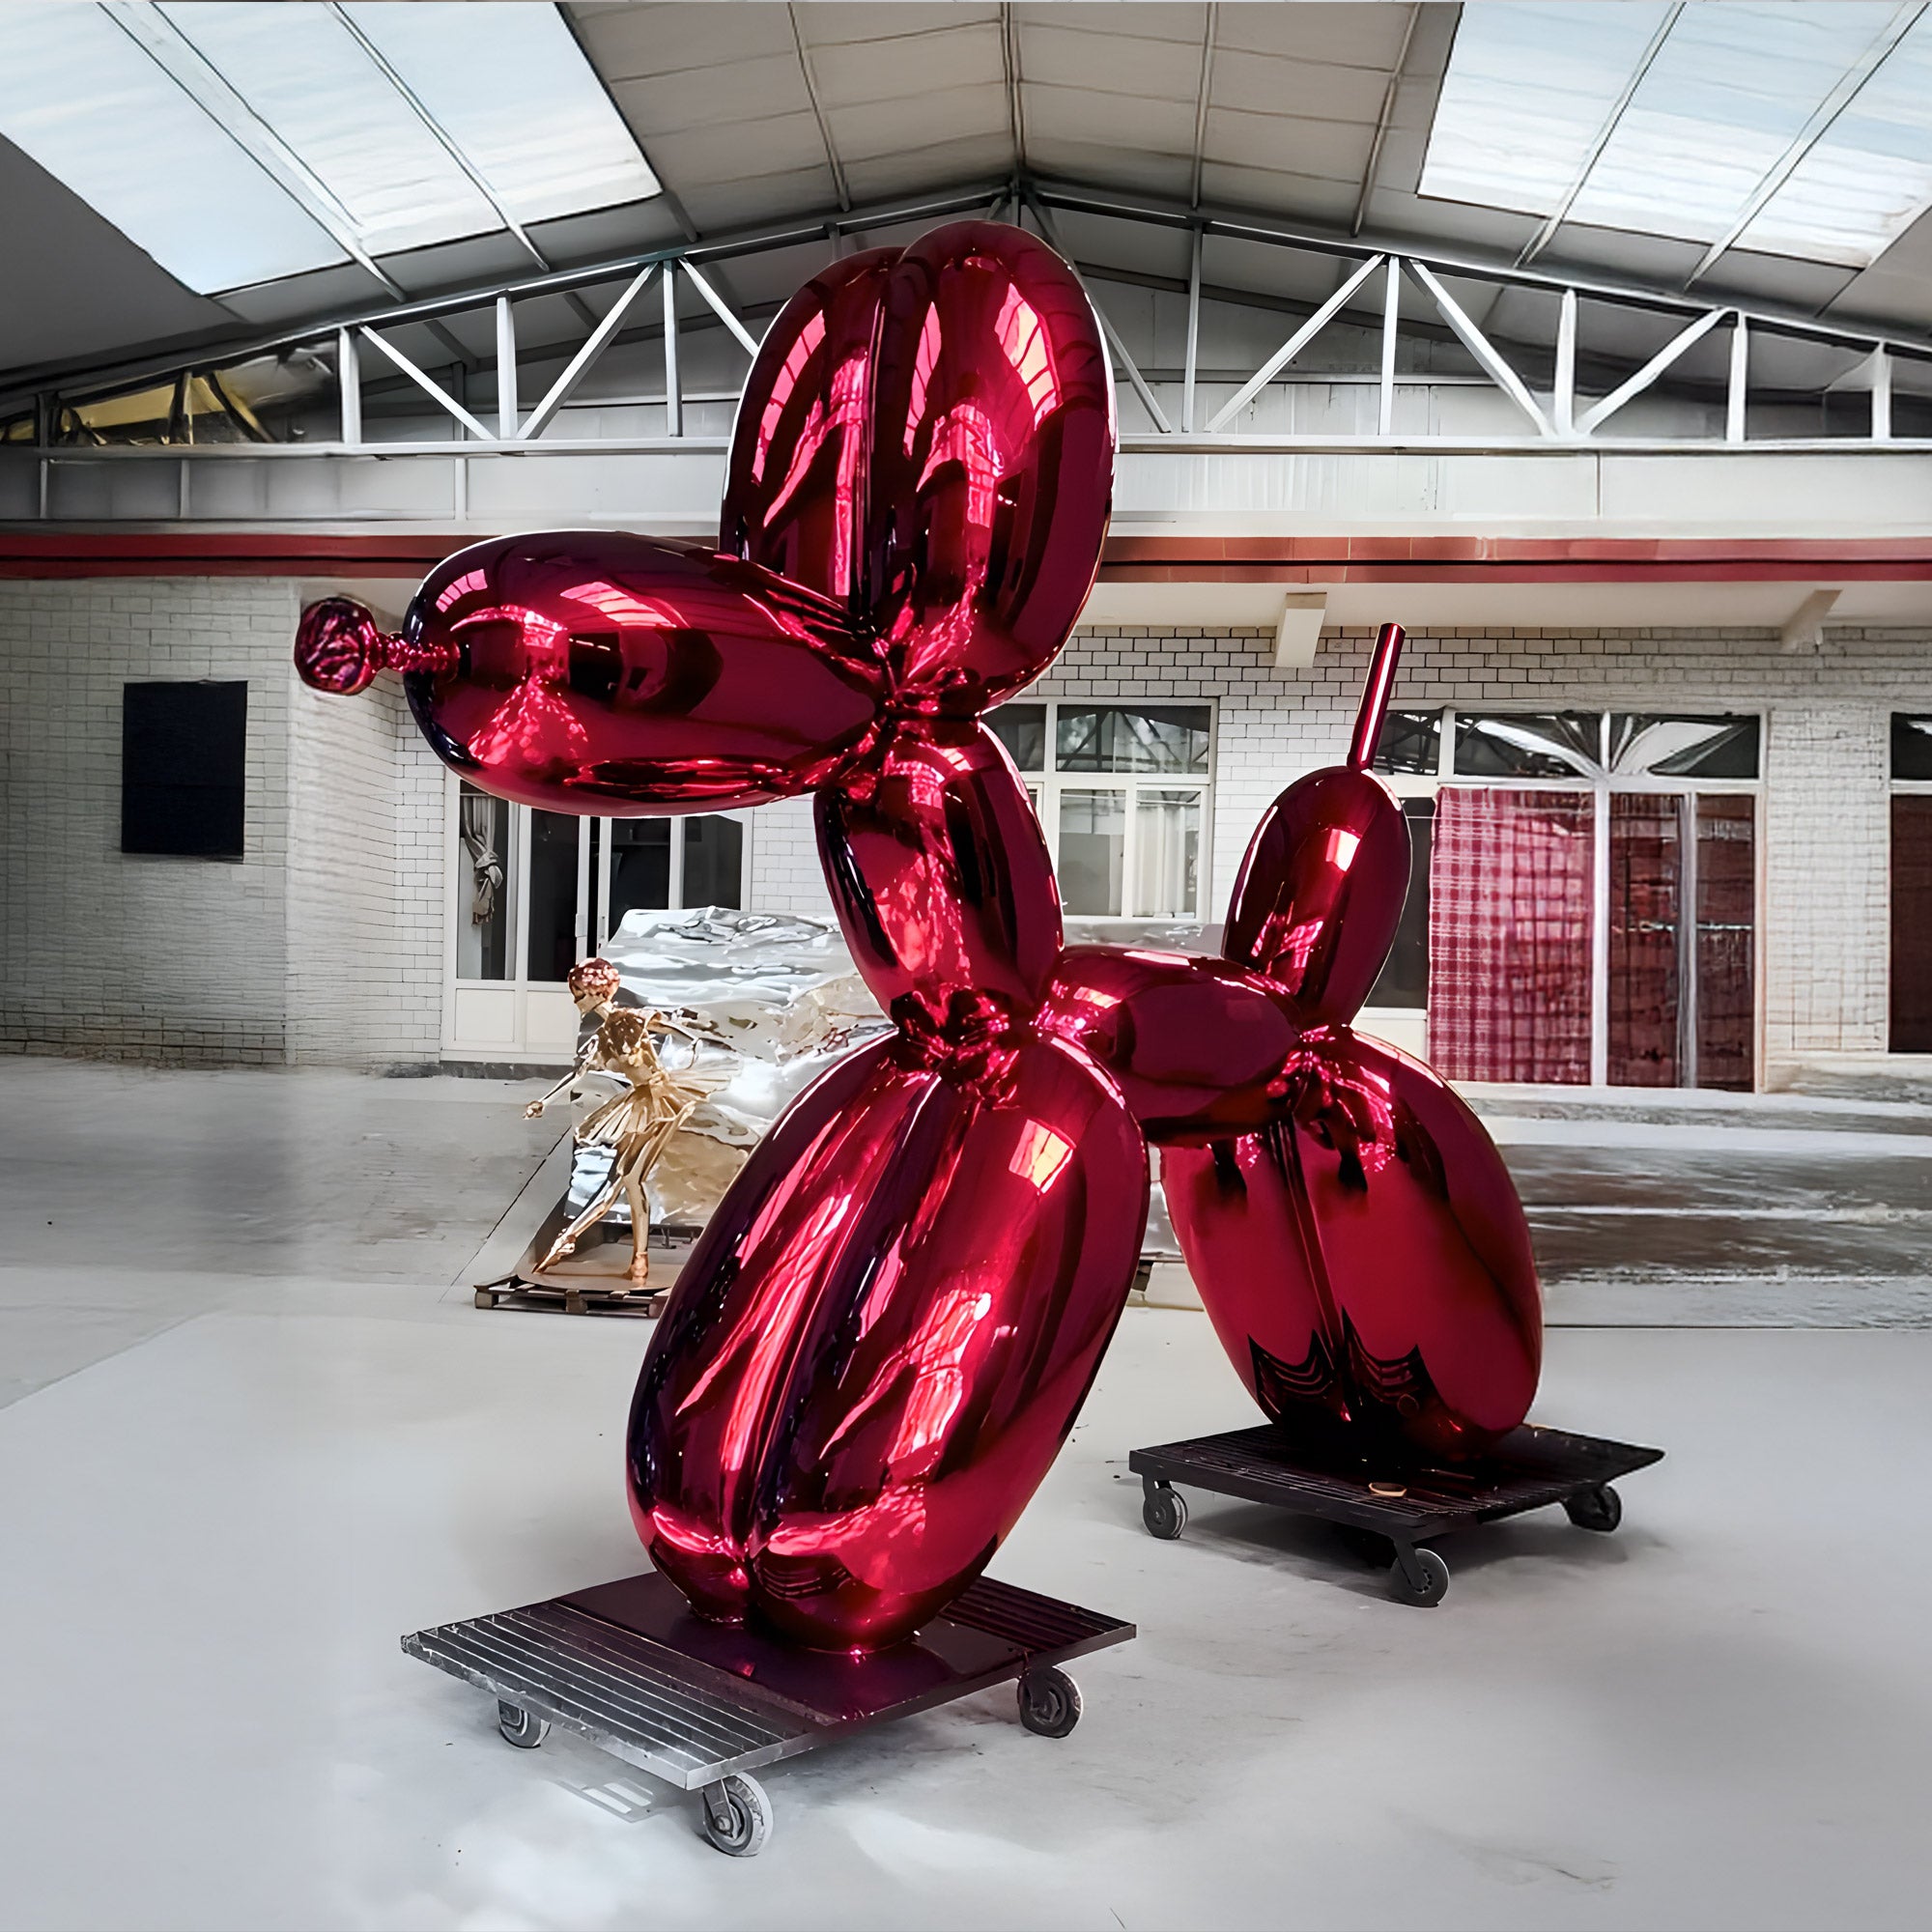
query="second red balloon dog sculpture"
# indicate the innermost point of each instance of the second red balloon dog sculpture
(885, 1333)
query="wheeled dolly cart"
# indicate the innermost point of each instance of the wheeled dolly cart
(1389, 1521)
(702, 1706)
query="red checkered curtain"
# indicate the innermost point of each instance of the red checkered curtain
(1509, 935)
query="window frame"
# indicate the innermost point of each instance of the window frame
(592, 927)
(1045, 788)
(1431, 784)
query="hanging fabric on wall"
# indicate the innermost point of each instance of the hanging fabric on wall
(1509, 943)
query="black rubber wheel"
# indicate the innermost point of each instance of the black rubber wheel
(1164, 1510)
(1434, 1581)
(1599, 1509)
(737, 1816)
(1049, 1703)
(521, 1727)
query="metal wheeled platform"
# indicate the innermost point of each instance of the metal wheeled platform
(703, 1705)
(1390, 1520)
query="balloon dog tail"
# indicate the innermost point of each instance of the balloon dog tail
(1376, 694)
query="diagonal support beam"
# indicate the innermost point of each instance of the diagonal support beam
(721, 310)
(429, 385)
(1685, 338)
(565, 385)
(1295, 344)
(1128, 365)
(1482, 349)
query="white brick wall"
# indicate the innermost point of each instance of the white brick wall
(364, 881)
(321, 943)
(172, 960)
(1823, 918)
(326, 942)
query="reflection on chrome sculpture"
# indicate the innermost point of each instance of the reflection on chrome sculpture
(887, 1328)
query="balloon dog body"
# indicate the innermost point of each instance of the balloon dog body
(888, 1327)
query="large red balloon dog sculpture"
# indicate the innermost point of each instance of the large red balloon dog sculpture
(886, 1331)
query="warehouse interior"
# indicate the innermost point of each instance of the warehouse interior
(1587, 341)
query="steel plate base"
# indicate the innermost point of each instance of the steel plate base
(703, 1705)
(1392, 1519)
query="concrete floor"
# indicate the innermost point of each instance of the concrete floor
(255, 1439)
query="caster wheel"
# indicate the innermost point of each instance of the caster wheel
(737, 1816)
(1435, 1585)
(1049, 1703)
(1164, 1510)
(521, 1727)
(1600, 1509)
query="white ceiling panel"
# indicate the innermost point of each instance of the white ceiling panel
(915, 171)
(1144, 169)
(824, 22)
(1110, 64)
(1365, 36)
(627, 41)
(706, 156)
(908, 67)
(1150, 20)
(1060, 114)
(753, 89)
(931, 119)
(1316, 201)
(1323, 150)
(1263, 84)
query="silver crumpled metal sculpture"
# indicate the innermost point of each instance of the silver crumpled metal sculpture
(777, 1000)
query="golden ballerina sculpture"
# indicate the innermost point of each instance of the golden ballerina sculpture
(638, 1123)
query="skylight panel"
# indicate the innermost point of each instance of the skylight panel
(1870, 175)
(1734, 86)
(1784, 125)
(305, 76)
(90, 107)
(1528, 91)
(240, 142)
(563, 148)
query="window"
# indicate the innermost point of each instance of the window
(1122, 795)
(1911, 884)
(545, 889)
(183, 753)
(1582, 889)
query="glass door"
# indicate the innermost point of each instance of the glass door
(531, 893)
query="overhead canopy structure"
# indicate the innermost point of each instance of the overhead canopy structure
(183, 172)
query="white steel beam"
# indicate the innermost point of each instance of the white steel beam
(1563, 401)
(1685, 338)
(1295, 344)
(506, 370)
(1127, 363)
(565, 385)
(429, 385)
(746, 340)
(1193, 363)
(674, 395)
(1391, 308)
(1482, 349)
(1736, 390)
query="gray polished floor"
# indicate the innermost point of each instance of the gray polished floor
(231, 1480)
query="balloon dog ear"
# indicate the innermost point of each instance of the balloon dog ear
(794, 487)
(928, 438)
(991, 463)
